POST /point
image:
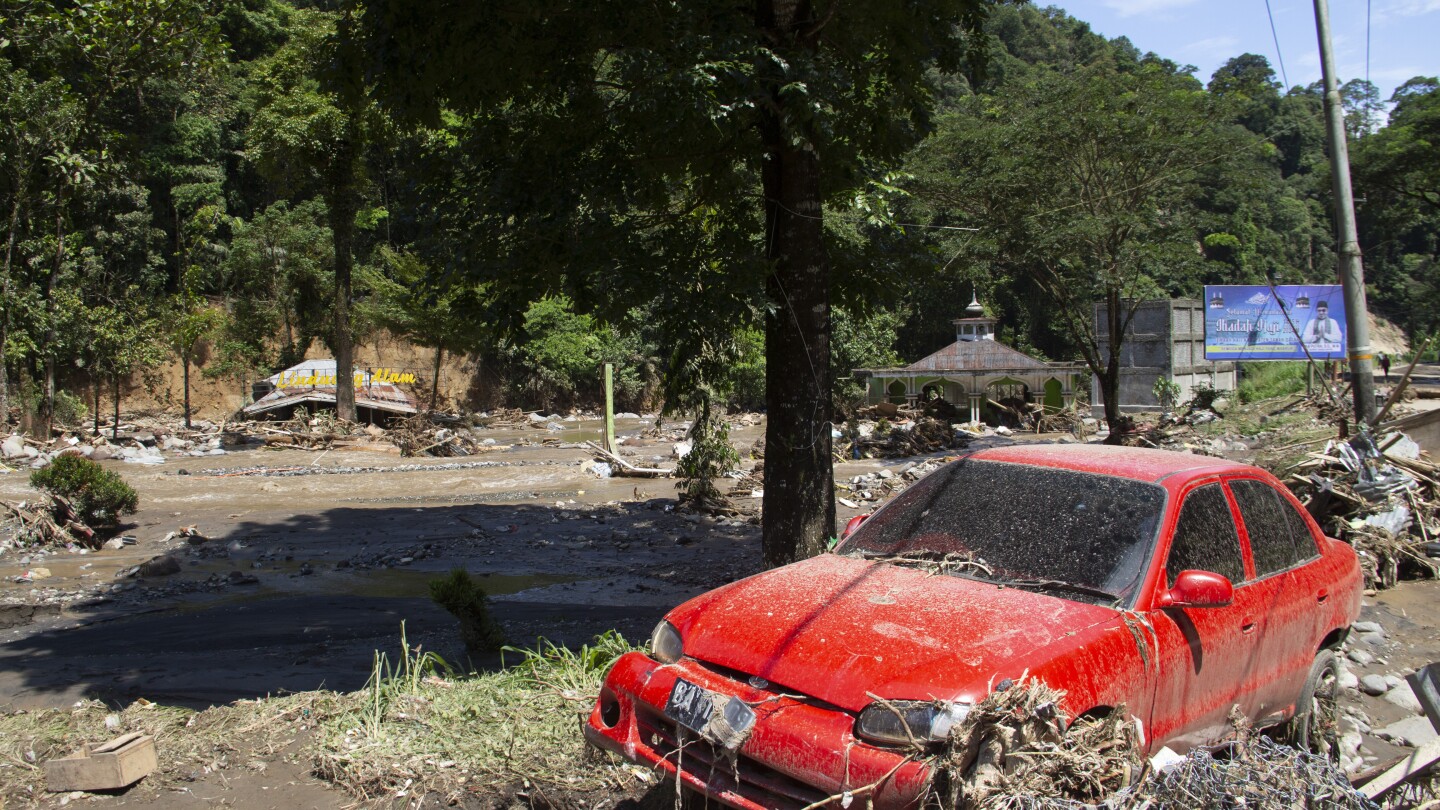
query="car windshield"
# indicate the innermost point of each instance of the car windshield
(1063, 531)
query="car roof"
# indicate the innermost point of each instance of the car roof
(1138, 463)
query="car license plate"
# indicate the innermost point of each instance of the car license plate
(690, 705)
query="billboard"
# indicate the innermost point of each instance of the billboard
(1249, 322)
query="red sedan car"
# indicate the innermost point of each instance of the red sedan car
(1175, 585)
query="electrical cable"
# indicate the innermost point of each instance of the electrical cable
(1367, 41)
(1275, 36)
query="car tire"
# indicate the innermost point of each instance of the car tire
(1316, 724)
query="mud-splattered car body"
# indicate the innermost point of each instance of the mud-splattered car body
(781, 690)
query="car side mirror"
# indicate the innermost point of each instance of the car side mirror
(852, 525)
(1198, 589)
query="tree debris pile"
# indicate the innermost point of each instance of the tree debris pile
(47, 521)
(880, 486)
(421, 435)
(1013, 744)
(899, 439)
(1010, 753)
(1381, 497)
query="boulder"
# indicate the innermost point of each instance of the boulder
(1374, 685)
(12, 447)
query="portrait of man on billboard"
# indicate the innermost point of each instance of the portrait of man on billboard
(1322, 329)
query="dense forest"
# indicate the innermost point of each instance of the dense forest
(550, 189)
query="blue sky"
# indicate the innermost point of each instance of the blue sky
(1404, 34)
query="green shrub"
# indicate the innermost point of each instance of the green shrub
(710, 457)
(467, 602)
(1268, 380)
(70, 409)
(99, 496)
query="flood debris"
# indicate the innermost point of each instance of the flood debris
(48, 521)
(1380, 496)
(1015, 744)
(1016, 750)
(901, 437)
(119, 763)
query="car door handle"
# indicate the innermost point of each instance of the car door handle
(1322, 596)
(1247, 627)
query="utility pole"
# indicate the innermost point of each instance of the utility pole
(1352, 273)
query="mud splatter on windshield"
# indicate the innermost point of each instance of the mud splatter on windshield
(1023, 523)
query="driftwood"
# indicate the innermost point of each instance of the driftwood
(625, 468)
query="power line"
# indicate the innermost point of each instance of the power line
(1281, 57)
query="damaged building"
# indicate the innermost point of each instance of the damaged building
(380, 395)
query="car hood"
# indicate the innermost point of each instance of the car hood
(837, 628)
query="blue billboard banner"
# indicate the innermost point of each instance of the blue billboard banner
(1249, 322)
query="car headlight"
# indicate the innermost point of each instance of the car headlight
(665, 643)
(900, 722)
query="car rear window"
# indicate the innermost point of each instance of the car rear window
(1023, 522)
(1279, 538)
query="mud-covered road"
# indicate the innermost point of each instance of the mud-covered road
(305, 574)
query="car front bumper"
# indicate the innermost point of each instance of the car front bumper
(798, 753)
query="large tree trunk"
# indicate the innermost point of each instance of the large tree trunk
(343, 206)
(435, 383)
(5, 308)
(185, 375)
(46, 412)
(1110, 379)
(799, 502)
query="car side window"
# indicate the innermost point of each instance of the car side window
(1279, 538)
(1205, 537)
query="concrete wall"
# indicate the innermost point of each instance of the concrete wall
(1166, 338)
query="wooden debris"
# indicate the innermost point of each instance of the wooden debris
(115, 764)
(621, 467)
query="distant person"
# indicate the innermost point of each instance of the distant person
(1322, 328)
(1385, 365)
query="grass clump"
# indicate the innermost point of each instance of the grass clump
(1270, 380)
(98, 495)
(419, 730)
(466, 601)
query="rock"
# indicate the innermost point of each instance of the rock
(144, 438)
(114, 544)
(12, 447)
(29, 452)
(161, 566)
(1405, 699)
(1220, 405)
(1373, 639)
(1368, 627)
(1374, 685)
(1414, 731)
(1347, 679)
(102, 453)
(1360, 657)
(887, 473)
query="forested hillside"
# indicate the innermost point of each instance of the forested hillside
(187, 181)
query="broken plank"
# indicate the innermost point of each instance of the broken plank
(1422, 758)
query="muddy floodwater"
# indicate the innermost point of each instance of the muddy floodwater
(311, 561)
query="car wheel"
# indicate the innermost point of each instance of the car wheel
(1316, 724)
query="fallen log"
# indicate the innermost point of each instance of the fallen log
(625, 468)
